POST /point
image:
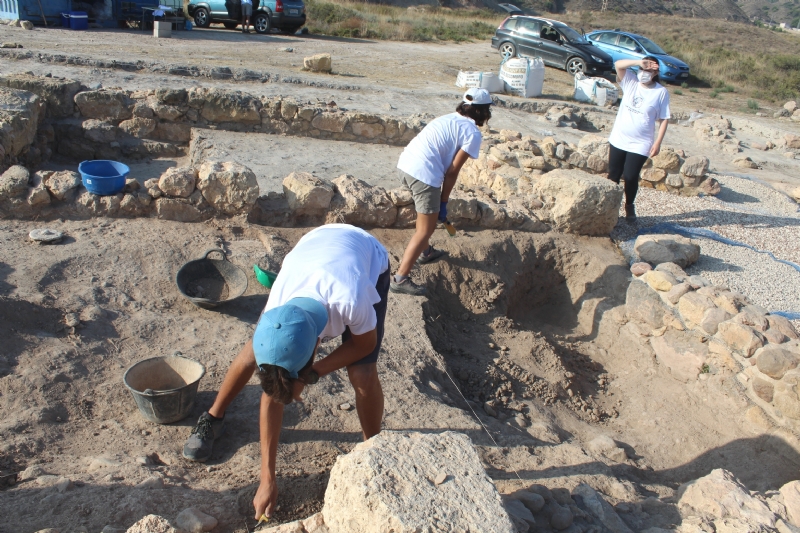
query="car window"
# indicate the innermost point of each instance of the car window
(511, 24)
(650, 46)
(570, 34)
(528, 27)
(627, 43)
(608, 38)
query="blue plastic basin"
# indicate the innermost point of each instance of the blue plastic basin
(103, 177)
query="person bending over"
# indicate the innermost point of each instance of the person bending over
(644, 109)
(429, 166)
(334, 282)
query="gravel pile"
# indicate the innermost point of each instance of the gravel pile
(745, 211)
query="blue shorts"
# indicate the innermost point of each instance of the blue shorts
(380, 312)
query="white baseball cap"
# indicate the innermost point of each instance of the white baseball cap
(477, 96)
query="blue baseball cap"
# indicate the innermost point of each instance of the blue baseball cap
(286, 335)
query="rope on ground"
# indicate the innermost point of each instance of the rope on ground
(441, 360)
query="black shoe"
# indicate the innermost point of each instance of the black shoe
(244, 30)
(630, 213)
(201, 441)
(430, 255)
(407, 287)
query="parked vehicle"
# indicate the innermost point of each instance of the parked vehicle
(624, 45)
(285, 15)
(556, 43)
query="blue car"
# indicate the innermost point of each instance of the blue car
(623, 45)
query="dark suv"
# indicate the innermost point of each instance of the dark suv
(556, 43)
(285, 15)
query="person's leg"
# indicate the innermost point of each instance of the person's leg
(632, 169)
(239, 373)
(369, 397)
(616, 163)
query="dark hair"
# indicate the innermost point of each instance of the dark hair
(656, 79)
(276, 382)
(480, 113)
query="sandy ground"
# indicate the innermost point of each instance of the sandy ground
(553, 301)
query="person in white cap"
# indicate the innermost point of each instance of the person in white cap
(429, 166)
(334, 282)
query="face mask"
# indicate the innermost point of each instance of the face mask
(645, 76)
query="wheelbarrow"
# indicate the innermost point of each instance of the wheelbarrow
(209, 282)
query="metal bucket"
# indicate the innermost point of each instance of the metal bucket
(164, 387)
(209, 282)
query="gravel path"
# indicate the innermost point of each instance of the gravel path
(745, 211)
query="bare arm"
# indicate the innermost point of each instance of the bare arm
(623, 65)
(451, 175)
(270, 421)
(355, 348)
(662, 130)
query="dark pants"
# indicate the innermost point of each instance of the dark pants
(626, 165)
(382, 287)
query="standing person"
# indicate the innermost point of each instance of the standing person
(429, 166)
(247, 12)
(334, 282)
(644, 108)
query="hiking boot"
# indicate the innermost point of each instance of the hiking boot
(206, 431)
(430, 255)
(407, 287)
(630, 213)
(244, 30)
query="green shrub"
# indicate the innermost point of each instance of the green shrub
(752, 104)
(693, 90)
(678, 92)
(714, 93)
(684, 85)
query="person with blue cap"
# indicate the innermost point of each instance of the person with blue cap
(334, 282)
(429, 166)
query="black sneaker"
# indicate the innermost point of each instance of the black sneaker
(630, 213)
(430, 255)
(201, 441)
(407, 287)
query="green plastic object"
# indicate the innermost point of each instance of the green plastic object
(265, 277)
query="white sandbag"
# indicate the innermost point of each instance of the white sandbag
(523, 76)
(598, 91)
(492, 82)
(468, 79)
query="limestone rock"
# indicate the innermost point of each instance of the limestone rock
(332, 122)
(226, 106)
(14, 182)
(178, 181)
(462, 206)
(594, 145)
(318, 63)
(644, 304)
(356, 202)
(401, 196)
(695, 166)
(138, 127)
(763, 389)
(152, 524)
(667, 160)
(386, 484)
(288, 527)
(744, 162)
(712, 319)
(99, 131)
(580, 202)
(653, 175)
(61, 183)
(660, 281)
(693, 307)
(791, 500)
(229, 187)
(366, 130)
(20, 115)
(600, 508)
(681, 352)
(720, 495)
(792, 141)
(175, 132)
(638, 269)
(38, 196)
(710, 186)
(178, 210)
(739, 337)
(783, 325)
(307, 194)
(194, 520)
(673, 269)
(519, 514)
(775, 362)
(597, 164)
(105, 104)
(533, 501)
(59, 93)
(603, 445)
(315, 524)
(674, 295)
(656, 249)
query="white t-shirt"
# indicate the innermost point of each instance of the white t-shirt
(634, 129)
(337, 265)
(428, 156)
(247, 2)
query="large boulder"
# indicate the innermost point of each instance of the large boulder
(229, 187)
(59, 93)
(645, 305)
(318, 63)
(657, 249)
(667, 160)
(681, 352)
(113, 104)
(20, 115)
(332, 122)
(406, 481)
(579, 202)
(775, 361)
(14, 182)
(358, 203)
(178, 181)
(226, 106)
(63, 183)
(596, 145)
(306, 194)
(695, 166)
(138, 127)
(791, 500)
(99, 131)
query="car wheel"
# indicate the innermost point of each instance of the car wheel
(261, 23)
(575, 65)
(201, 18)
(508, 50)
(230, 25)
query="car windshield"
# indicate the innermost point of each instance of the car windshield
(650, 47)
(570, 34)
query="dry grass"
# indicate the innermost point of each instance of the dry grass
(344, 18)
(757, 62)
